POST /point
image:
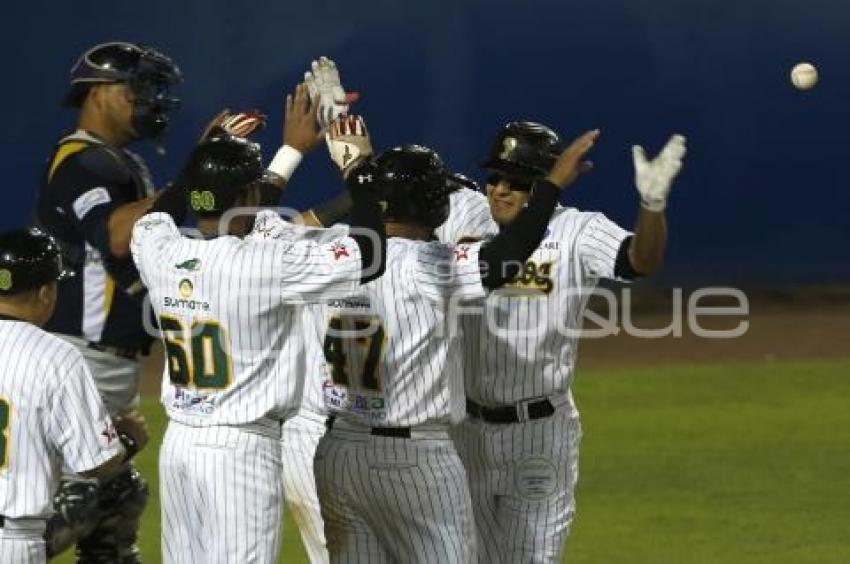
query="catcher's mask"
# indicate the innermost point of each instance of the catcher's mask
(147, 72)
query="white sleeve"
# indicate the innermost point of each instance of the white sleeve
(313, 271)
(79, 426)
(150, 233)
(444, 272)
(598, 245)
(469, 218)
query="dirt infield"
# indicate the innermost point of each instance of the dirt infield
(797, 323)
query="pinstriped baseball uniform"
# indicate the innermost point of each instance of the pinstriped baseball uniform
(469, 218)
(393, 365)
(299, 438)
(50, 414)
(229, 310)
(522, 475)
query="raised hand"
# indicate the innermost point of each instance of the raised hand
(348, 142)
(300, 129)
(325, 86)
(569, 164)
(655, 178)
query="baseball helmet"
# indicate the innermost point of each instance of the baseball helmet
(524, 150)
(29, 258)
(218, 171)
(413, 185)
(147, 72)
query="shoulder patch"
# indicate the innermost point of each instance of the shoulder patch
(89, 200)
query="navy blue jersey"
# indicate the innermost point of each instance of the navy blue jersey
(85, 181)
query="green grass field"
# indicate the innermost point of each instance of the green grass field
(738, 464)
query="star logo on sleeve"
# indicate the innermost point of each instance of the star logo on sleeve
(339, 250)
(109, 433)
(461, 253)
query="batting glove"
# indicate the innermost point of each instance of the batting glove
(348, 142)
(324, 84)
(654, 178)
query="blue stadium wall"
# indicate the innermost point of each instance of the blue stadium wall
(763, 197)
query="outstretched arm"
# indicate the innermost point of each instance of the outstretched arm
(653, 179)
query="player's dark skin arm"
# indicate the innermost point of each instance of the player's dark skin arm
(646, 251)
(120, 225)
(502, 258)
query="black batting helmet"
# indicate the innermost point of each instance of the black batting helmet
(218, 171)
(412, 183)
(148, 73)
(29, 258)
(524, 150)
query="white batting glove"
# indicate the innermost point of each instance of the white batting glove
(324, 84)
(654, 178)
(348, 142)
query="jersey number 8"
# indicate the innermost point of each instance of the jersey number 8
(5, 419)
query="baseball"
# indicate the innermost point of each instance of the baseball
(804, 76)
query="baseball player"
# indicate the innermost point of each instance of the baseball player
(520, 442)
(93, 190)
(229, 310)
(391, 486)
(50, 410)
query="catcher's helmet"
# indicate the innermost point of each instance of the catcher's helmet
(218, 170)
(523, 149)
(412, 182)
(29, 258)
(148, 73)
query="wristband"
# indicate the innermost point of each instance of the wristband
(130, 446)
(285, 161)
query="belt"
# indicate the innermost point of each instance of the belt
(130, 353)
(16, 524)
(397, 432)
(524, 411)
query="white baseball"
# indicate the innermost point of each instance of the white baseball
(804, 76)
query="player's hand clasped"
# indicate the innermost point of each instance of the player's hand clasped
(325, 87)
(348, 142)
(569, 164)
(300, 128)
(654, 178)
(240, 124)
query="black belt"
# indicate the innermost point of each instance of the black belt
(397, 432)
(130, 353)
(509, 413)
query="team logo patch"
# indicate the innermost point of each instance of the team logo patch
(508, 146)
(461, 253)
(5, 279)
(339, 250)
(536, 277)
(191, 265)
(186, 288)
(535, 478)
(202, 200)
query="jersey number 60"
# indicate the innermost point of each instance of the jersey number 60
(196, 354)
